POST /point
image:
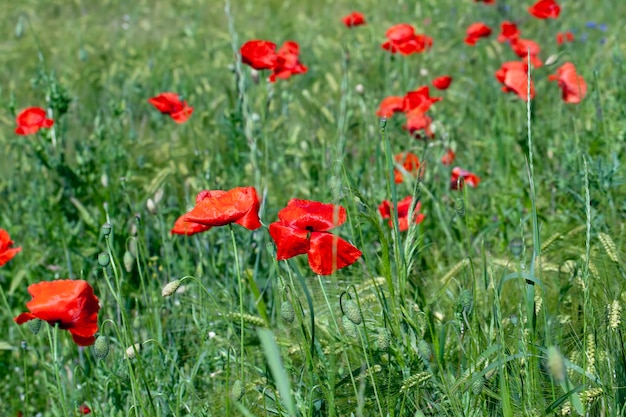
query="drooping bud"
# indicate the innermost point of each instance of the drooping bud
(287, 312)
(101, 347)
(237, 390)
(349, 327)
(151, 206)
(131, 351)
(170, 288)
(351, 310)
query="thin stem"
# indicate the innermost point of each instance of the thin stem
(239, 281)
(53, 339)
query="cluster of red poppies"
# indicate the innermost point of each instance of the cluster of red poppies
(513, 75)
(303, 226)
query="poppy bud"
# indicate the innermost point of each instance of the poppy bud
(34, 325)
(552, 59)
(106, 229)
(423, 350)
(349, 327)
(151, 206)
(104, 180)
(170, 288)
(104, 259)
(129, 261)
(131, 351)
(158, 195)
(383, 339)
(237, 390)
(351, 310)
(101, 347)
(359, 89)
(132, 247)
(287, 312)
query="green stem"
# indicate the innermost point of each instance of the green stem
(240, 282)
(53, 339)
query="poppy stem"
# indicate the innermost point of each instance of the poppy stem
(53, 338)
(241, 312)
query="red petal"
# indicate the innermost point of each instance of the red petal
(183, 227)
(239, 205)
(289, 242)
(182, 115)
(312, 215)
(328, 253)
(167, 103)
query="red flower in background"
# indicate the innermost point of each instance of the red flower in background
(390, 105)
(416, 120)
(287, 62)
(545, 9)
(69, 303)
(219, 208)
(171, 104)
(573, 86)
(353, 19)
(84, 410)
(522, 47)
(475, 31)
(485, 1)
(419, 99)
(303, 229)
(514, 76)
(448, 157)
(410, 164)
(402, 38)
(461, 177)
(386, 209)
(508, 32)
(442, 83)
(32, 119)
(259, 54)
(7, 252)
(562, 37)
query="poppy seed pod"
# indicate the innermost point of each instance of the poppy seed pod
(34, 325)
(106, 229)
(104, 259)
(287, 312)
(101, 347)
(237, 390)
(351, 310)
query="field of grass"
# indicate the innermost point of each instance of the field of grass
(505, 300)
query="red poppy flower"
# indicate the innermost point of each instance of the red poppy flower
(573, 86)
(410, 164)
(562, 37)
(514, 76)
(402, 38)
(545, 9)
(448, 157)
(173, 106)
(259, 54)
(386, 209)
(469, 178)
(508, 32)
(390, 105)
(219, 208)
(416, 120)
(303, 229)
(287, 62)
(419, 99)
(442, 83)
(522, 47)
(7, 252)
(84, 410)
(475, 31)
(69, 303)
(353, 19)
(32, 119)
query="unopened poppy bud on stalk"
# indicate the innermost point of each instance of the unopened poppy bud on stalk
(254, 75)
(359, 89)
(287, 312)
(351, 310)
(170, 288)
(151, 206)
(132, 350)
(101, 347)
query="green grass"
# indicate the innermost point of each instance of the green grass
(505, 301)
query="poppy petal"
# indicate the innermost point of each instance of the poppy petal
(289, 241)
(239, 205)
(328, 253)
(312, 215)
(183, 227)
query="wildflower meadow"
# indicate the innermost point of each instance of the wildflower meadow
(312, 208)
